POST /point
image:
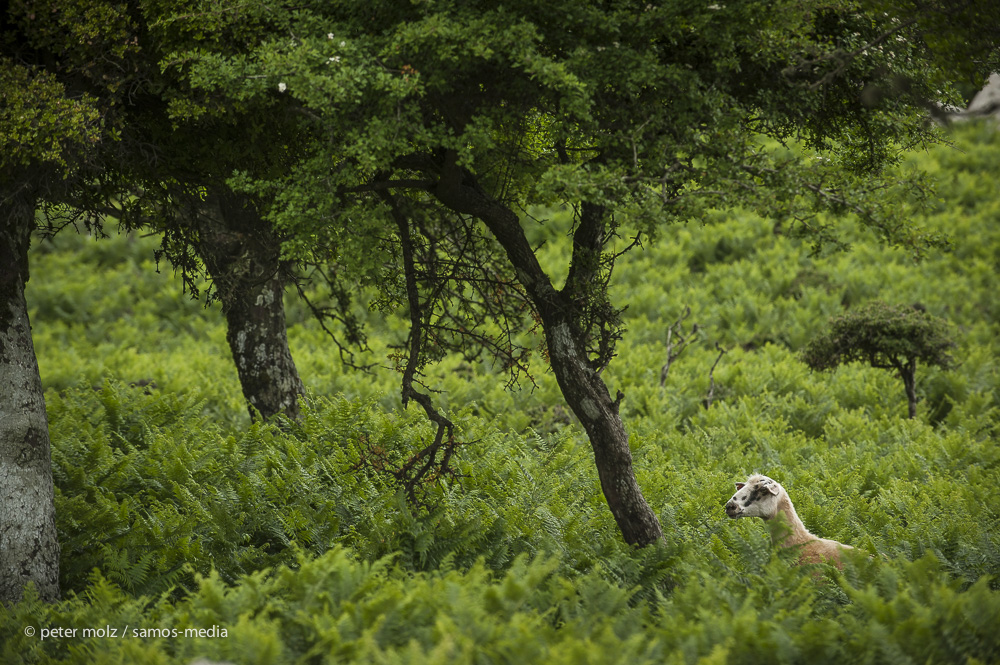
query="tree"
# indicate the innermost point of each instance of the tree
(174, 168)
(217, 232)
(443, 124)
(885, 336)
(29, 551)
(209, 230)
(61, 77)
(83, 129)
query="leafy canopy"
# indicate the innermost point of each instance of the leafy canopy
(445, 113)
(653, 109)
(884, 336)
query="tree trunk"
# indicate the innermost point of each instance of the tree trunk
(242, 255)
(909, 375)
(587, 395)
(582, 387)
(29, 548)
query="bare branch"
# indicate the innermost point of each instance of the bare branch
(682, 342)
(355, 334)
(424, 465)
(711, 377)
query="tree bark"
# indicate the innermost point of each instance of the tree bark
(29, 548)
(581, 385)
(587, 395)
(242, 255)
(908, 373)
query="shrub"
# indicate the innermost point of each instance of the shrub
(887, 337)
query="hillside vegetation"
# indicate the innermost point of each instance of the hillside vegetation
(175, 512)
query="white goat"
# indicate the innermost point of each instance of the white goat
(762, 497)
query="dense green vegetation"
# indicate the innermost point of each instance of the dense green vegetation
(175, 512)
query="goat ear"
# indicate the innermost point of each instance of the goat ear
(740, 486)
(769, 485)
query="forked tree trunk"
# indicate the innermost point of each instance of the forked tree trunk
(29, 549)
(242, 255)
(582, 387)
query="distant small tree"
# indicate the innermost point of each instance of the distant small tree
(886, 336)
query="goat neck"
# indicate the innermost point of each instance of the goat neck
(784, 525)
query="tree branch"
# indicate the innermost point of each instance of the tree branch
(423, 465)
(458, 191)
(384, 185)
(680, 345)
(710, 397)
(588, 244)
(842, 58)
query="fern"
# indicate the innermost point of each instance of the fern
(193, 517)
